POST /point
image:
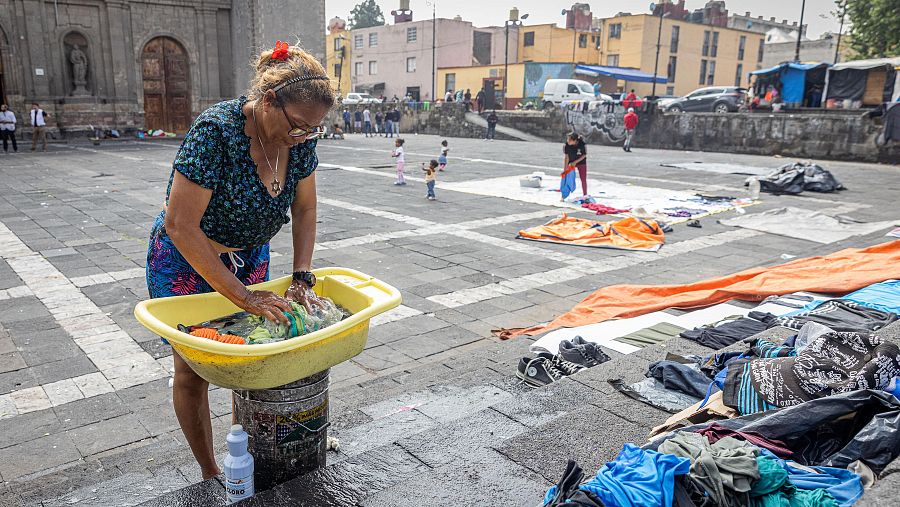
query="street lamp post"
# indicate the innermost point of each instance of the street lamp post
(800, 31)
(341, 68)
(837, 48)
(513, 20)
(662, 14)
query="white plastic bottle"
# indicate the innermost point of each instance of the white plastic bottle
(238, 467)
(753, 188)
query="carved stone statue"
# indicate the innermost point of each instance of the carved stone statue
(79, 63)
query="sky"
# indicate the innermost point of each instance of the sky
(493, 12)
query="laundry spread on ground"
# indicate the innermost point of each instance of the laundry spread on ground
(837, 273)
(602, 209)
(713, 167)
(807, 224)
(798, 422)
(624, 234)
(612, 194)
(834, 362)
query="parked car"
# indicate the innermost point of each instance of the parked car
(716, 99)
(662, 100)
(558, 90)
(354, 98)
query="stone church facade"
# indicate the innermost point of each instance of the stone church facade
(140, 64)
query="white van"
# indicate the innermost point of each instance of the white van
(558, 90)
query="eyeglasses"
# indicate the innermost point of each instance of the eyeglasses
(309, 133)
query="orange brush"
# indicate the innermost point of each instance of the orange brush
(212, 334)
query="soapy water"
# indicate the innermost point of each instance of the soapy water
(258, 330)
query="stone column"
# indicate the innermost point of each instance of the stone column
(38, 37)
(207, 25)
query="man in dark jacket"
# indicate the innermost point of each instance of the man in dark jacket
(492, 121)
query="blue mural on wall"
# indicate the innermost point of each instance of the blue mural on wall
(537, 74)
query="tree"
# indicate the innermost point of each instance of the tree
(875, 27)
(366, 13)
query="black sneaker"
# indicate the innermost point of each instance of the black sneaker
(566, 367)
(582, 352)
(537, 371)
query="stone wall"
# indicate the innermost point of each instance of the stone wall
(821, 136)
(827, 135)
(443, 120)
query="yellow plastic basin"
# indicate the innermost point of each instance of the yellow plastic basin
(271, 364)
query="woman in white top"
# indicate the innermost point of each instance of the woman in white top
(8, 128)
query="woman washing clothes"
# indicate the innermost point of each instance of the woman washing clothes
(244, 164)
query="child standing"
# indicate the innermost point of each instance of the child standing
(430, 178)
(442, 159)
(401, 161)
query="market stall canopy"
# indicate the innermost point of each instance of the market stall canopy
(630, 75)
(793, 77)
(850, 80)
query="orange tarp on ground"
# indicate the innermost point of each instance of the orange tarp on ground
(838, 273)
(627, 234)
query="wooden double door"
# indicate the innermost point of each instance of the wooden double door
(167, 89)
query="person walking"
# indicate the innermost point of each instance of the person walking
(396, 113)
(576, 156)
(468, 99)
(458, 97)
(479, 101)
(367, 121)
(245, 169)
(631, 123)
(492, 121)
(39, 124)
(389, 123)
(8, 128)
(357, 121)
(401, 161)
(448, 97)
(346, 117)
(379, 123)
(430, 178)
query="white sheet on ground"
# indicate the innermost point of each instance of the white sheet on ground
(605, 333)
(721, 168)
(806, 224)
(616, 195)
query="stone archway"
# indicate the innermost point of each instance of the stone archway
(167, 93)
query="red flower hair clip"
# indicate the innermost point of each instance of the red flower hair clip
(281, 51)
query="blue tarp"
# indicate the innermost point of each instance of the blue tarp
(793, 79)
(630, 75)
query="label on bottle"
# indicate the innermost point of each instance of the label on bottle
(238, 488)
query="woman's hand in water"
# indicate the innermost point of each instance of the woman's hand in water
(303, 294)
(267, 304)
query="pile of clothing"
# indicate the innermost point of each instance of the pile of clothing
(710, 466)
(804, 421)
(574, 355)
(798, 177)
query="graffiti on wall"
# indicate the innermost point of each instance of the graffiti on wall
(599, 118)
(537, 74)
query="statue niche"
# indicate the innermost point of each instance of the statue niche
(77, 64)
